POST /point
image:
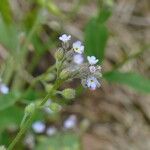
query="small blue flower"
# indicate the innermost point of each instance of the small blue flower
(92, 69)
(4, 89)
(65, 38)
(78, 47)
(78, 59)
(92, 83)
(92, 60)
(38, 127)
(70, 122)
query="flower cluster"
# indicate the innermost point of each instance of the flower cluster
(76, 65)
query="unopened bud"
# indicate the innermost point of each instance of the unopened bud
(49, 77)
(64, 74)
(49, 87)
(30, 108)
(55, 107)
(59, 54)
(68, 93)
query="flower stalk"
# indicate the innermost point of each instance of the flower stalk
(69, 65)
(29, 119)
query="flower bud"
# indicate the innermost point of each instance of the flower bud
(59, 54)
(68, 93)
(64, 74)
(55, 107)
(48, 87)
(49, 77)
(30, 108)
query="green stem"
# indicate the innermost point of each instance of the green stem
(29, 120)
(21, 132)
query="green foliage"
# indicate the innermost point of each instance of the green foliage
(96, 35)
(10, 116)
(104, 15)
(7, 100)
(5, 11)
(30, 18)
(50, 5)
(61, 141)
(8, 36)
(133, 80)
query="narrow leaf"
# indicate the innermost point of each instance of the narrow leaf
(133, 80)
(5, 11)
(96, 36)
(9, 99)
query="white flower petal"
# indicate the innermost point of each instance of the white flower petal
(65, 38)
(38, 127)
(92, 69)
(70, 122)
(78, 59)
(92, 60)
(92, 83)
(4, 89)
(78, 47)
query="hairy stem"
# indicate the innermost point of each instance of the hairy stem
(21, 132)
(29, 120)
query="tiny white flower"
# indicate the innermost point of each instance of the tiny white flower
(78, 47)
(65, 38)
(3, 88)
(92, 69)
(92, 60)
(70, 122)
(38, 127)
(51, 130)
(78, 59)
(92, 83)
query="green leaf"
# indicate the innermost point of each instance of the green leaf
(9, 99)
(104, 15)
(5, 10)
(8, 36)
(9, 116)
(32, 95)
(96, 36)
(51, 6)
(61, 141)
(133, 80)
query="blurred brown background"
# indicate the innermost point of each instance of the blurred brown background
(119, 117)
